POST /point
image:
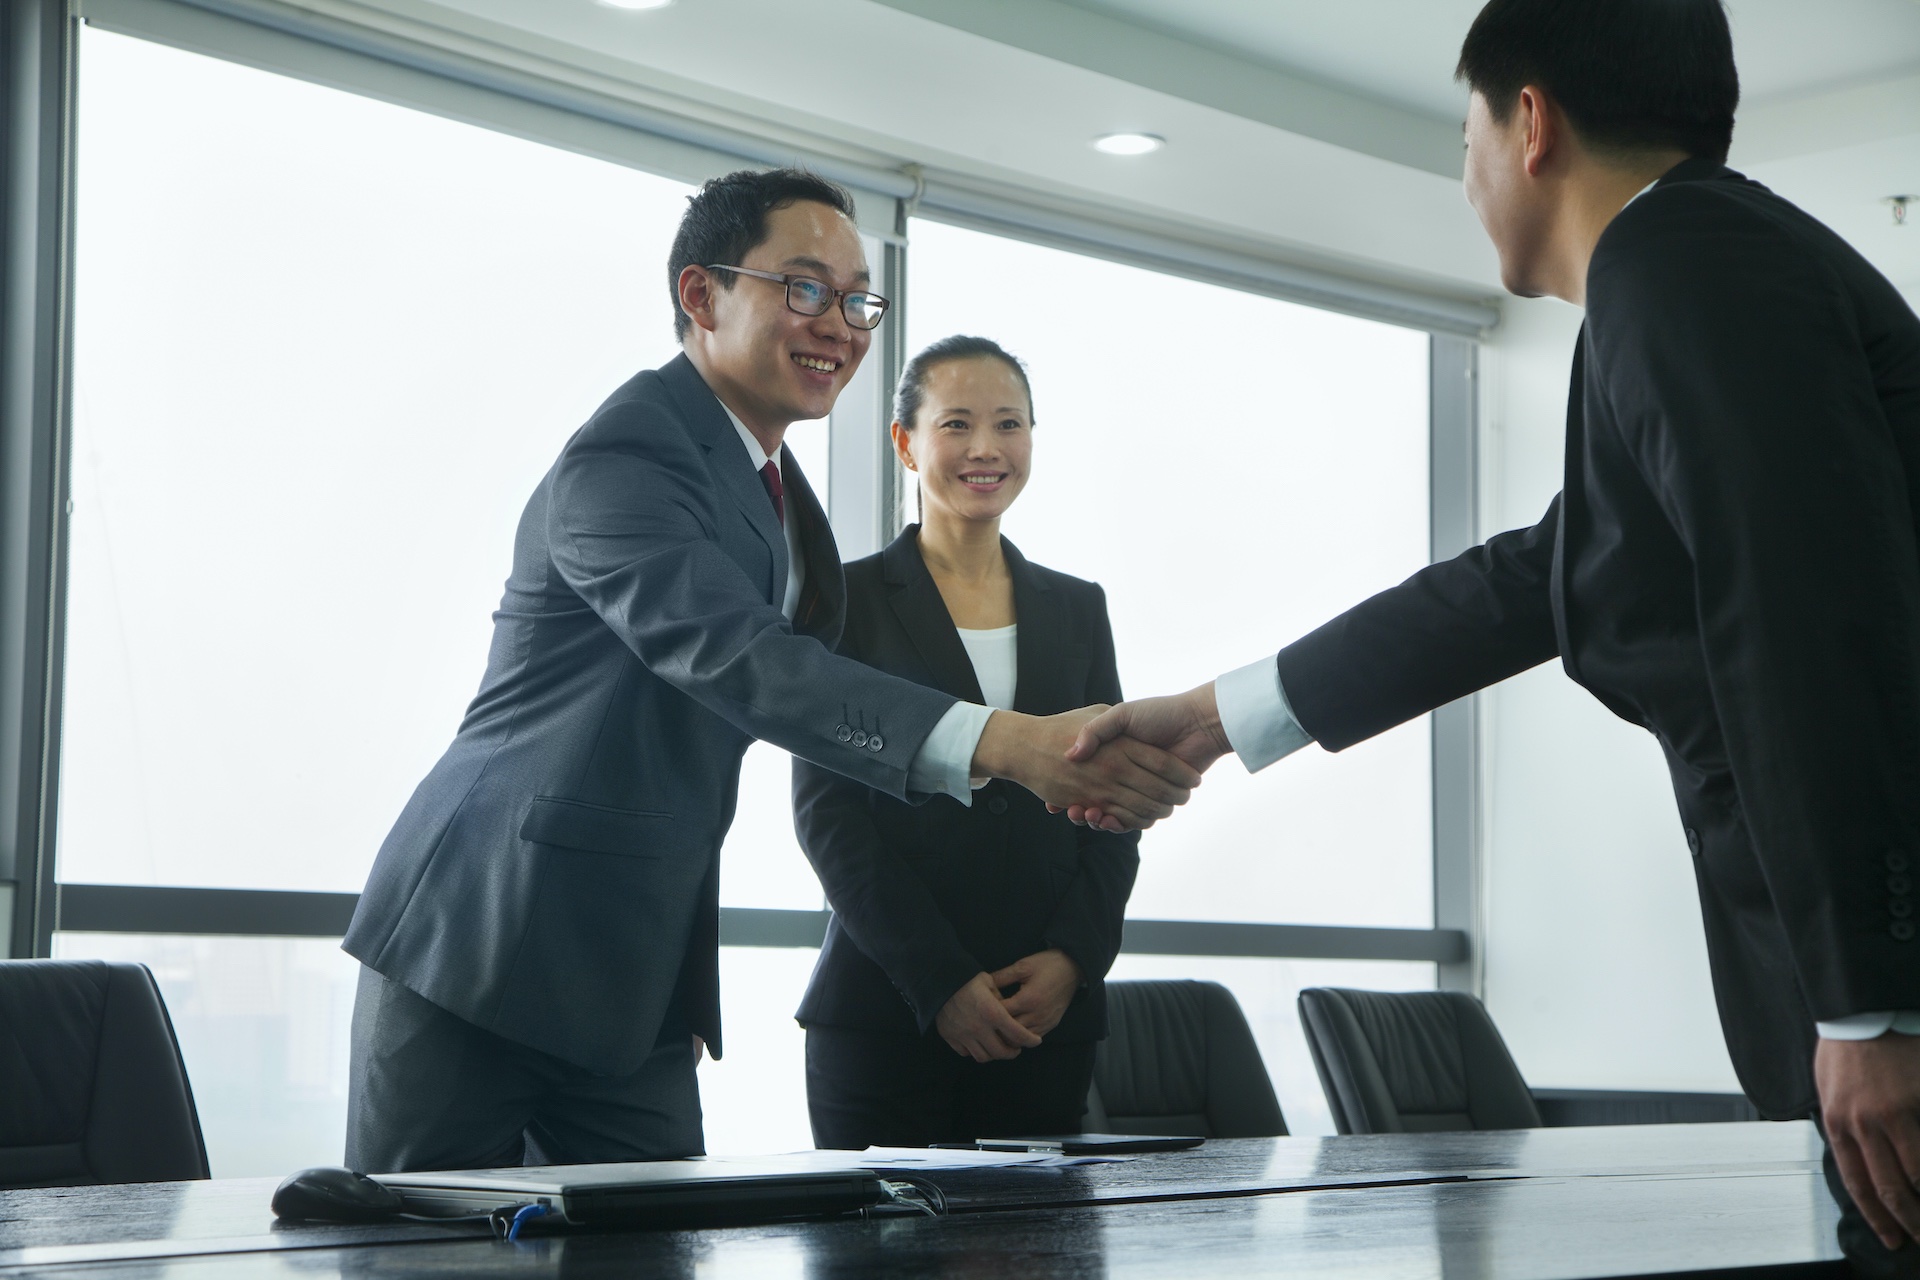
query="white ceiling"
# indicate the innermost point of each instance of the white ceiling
(1326, 129)
(1403, 51)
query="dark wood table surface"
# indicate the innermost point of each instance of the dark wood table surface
(1545, 1203)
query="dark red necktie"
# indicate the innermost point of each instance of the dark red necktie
(771, 475)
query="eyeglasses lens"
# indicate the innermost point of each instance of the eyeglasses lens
(807, 296)
(864, 310)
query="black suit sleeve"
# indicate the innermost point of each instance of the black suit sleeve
(1738, 377)
(1450, 629)
(1086, 925)
(886, 909)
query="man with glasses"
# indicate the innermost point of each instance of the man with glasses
(540, 932)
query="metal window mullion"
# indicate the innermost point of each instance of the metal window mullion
(1453, 473)
(141, 909)
(37, 46)
(863, 484)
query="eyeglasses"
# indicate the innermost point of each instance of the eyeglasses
(812, 297)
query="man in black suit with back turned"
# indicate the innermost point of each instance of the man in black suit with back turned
(540, 930)
(1731, 563)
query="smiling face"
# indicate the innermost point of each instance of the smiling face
(972, 440)
(770, 364)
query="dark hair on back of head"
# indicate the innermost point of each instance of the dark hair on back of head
(911, 392)
(727, 218)
(1632, 75)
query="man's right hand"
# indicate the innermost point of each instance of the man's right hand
(1131, 784)
(1186, 725)
(1870, 1107)
(975, 1023)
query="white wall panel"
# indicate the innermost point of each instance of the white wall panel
(1595, 964)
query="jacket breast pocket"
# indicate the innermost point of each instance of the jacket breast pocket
(576, 824)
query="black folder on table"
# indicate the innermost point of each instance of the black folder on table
(660, 1193)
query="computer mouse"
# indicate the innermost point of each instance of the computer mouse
(334, 1195)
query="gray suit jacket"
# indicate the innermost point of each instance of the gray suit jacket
(555, 878)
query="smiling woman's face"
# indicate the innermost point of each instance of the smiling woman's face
(972, 441)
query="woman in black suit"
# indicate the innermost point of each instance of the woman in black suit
(959, 992)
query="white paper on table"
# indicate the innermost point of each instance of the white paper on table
(922, 1159)
(929, 1158)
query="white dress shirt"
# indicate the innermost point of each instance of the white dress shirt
(945, 759)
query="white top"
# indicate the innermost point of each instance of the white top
(995, 662)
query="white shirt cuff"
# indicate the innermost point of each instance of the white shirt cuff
(945, 759)
(1254, 712)
(1871, 1026)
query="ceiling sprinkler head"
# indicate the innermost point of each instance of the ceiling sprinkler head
(1900, 204)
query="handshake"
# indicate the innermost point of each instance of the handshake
(1117, 768)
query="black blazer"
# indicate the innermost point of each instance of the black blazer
(1732, 564)
(926, 896)
(556, 873)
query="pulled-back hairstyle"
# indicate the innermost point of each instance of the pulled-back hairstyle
(1632, 75)
(726, 219)
(912, 391)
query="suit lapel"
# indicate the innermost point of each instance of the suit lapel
(710, 425)
(822, 611)
(1038, 645)
(915, 599)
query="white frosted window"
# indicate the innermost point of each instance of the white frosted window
(1234, 470)
(264, 1028)
(325, 347)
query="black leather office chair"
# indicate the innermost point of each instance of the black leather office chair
(1179, 1059)
(1413, 1062)
(92, 1088)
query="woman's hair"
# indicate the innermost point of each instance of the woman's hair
(912, 391)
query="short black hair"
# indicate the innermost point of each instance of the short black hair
(1632, 75)
(911, 392)
(727, 218)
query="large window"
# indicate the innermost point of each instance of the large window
(326, 346)
(1233, 470)
(324, 350)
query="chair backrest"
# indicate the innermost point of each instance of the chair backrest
(92, 1088)
(1413, 1062)
(1179, 1059)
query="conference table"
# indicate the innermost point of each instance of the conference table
(1535, 1204)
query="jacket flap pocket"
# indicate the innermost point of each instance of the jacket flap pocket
(575, 824)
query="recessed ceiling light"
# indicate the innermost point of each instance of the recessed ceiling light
(1129, 144)
(636, 4)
